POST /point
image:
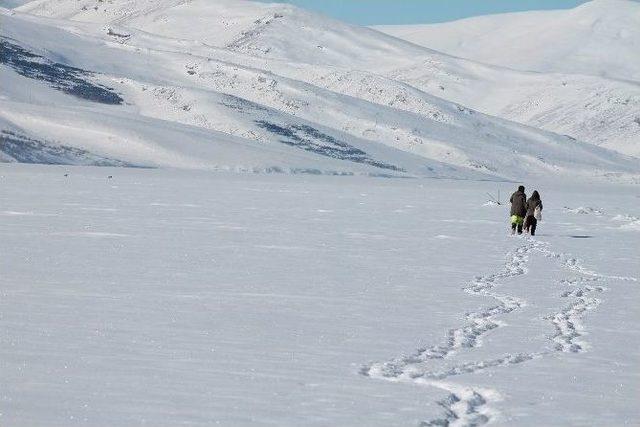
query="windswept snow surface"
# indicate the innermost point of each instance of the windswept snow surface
(191, 298)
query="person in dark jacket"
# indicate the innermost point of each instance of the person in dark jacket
(530, 221)
(518, 209)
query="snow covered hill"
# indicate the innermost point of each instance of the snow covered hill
(586, 64)
(600, 37)
(262, 87)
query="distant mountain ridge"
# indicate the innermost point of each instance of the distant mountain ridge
(599, 37)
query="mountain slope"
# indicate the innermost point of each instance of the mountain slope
(337, 115)
(600, 37)
(319, 50)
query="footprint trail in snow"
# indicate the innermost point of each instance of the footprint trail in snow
(467, 406)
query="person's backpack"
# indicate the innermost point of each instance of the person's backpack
(537, 213)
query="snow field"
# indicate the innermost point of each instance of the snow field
(242, 299)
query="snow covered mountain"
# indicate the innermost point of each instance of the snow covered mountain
(600, 37)
(247, 86)
(580, 68)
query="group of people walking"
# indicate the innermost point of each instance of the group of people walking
(525, 213)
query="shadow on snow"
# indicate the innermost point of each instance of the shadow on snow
(70, 80)
(310, 139)
(28, 150)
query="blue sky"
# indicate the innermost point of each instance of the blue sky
(371, 12)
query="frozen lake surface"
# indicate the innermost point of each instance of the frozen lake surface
(166, 297)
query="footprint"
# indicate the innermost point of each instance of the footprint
(467, 406)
